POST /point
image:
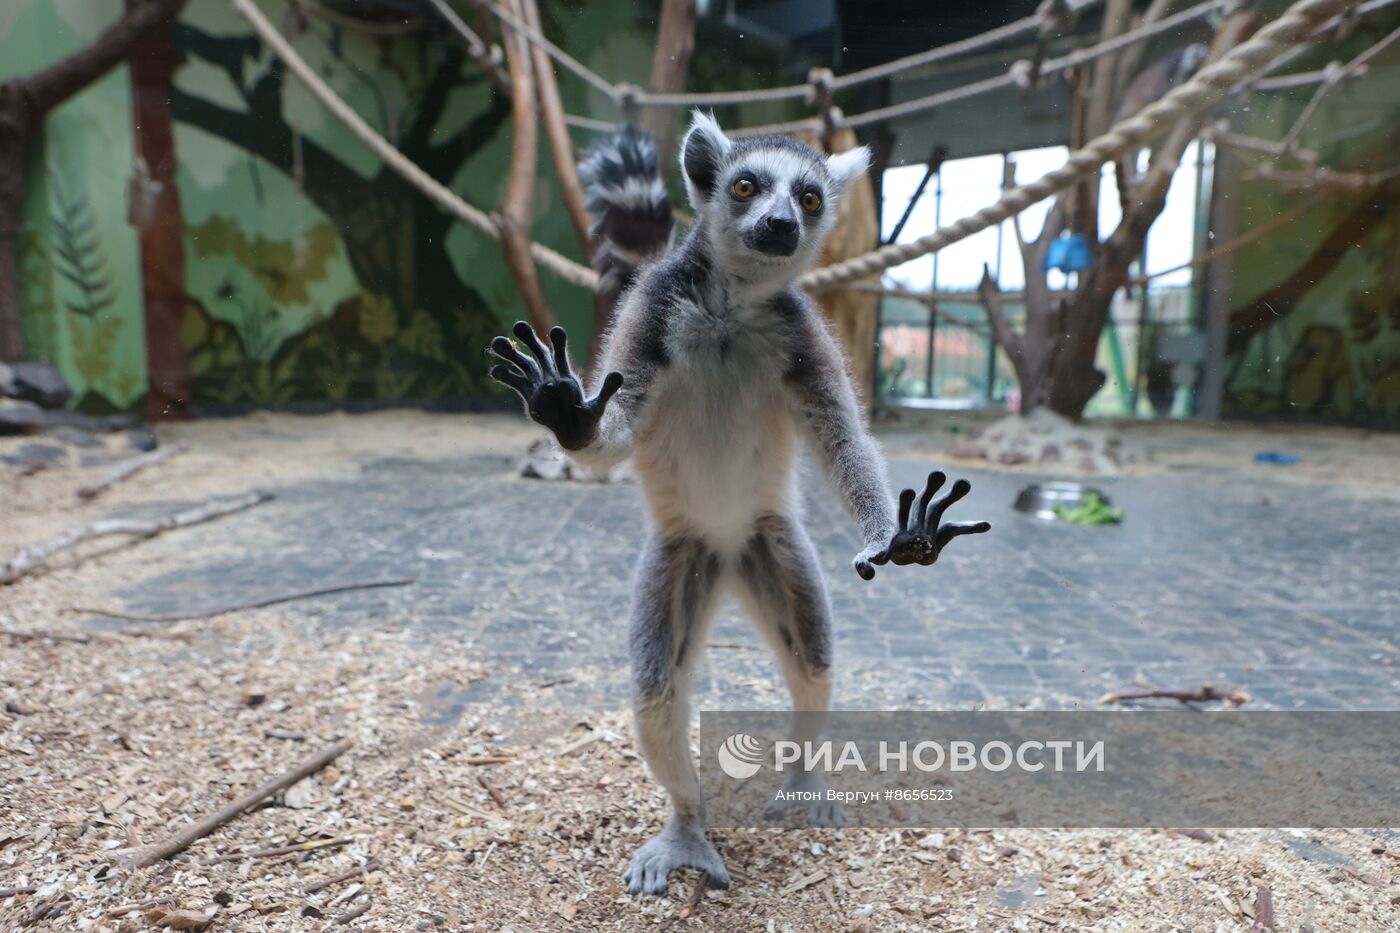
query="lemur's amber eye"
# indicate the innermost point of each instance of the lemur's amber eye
(811, 202)
(745, 187)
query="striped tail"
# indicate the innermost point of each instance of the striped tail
(632, 222)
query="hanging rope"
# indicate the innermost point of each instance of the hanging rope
(1232, 72)
(789, 92)
(1209, 85)
(952, 49)
(555, 262)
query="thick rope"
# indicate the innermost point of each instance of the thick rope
(555, 262)
(788, 92)
(1211, 83)
(1337, 22)
(1334, 75)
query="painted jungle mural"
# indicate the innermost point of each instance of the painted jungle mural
(1315, 321)
(311, 271)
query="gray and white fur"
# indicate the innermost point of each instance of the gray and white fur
(717, 368)
(632, 219)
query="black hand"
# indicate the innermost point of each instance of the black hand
(553, 394)
(920, 538)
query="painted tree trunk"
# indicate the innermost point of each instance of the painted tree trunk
(23, 104)
(14, 131)
(161, 228)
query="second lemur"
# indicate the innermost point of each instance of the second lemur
(715, 368)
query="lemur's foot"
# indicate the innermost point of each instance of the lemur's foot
(553, 395)
(672, 848)
(820, 811)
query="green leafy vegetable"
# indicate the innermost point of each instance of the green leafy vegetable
(1092, 511)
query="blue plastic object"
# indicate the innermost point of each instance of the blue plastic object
(1070, 253)
(1275, 457)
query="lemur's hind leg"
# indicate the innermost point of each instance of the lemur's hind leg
(673, 604)
(781, 585)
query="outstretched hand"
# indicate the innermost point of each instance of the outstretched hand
(920, 538)
(553, 394)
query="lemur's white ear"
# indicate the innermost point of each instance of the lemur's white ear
(702, 154)
(846, 167)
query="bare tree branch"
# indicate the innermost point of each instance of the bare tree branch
(675, 43)
(1002, 330)
(561, 147)
(518, 205)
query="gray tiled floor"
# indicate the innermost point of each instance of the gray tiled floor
(1287, 591)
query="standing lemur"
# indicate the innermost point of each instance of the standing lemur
(715, 365)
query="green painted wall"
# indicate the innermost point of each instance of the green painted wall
(1334, 353)
(79, 275)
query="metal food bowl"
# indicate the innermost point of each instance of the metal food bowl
(1041, 499)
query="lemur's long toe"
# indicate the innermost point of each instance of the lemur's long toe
(505, 351)
(526, 335)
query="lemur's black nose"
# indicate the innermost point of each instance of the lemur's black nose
(782, 226)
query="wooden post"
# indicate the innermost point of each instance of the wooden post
(518, 205)
(16, 123)
(561, 146)
(171, 381)
(675, 43)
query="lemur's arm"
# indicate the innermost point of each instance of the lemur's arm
(821, 387)
(819, 382)
(634, 346)
(596, 431)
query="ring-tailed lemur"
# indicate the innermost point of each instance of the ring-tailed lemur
(716, 364)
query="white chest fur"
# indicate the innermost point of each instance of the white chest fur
(718, 452)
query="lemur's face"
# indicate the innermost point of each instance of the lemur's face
(768, 201)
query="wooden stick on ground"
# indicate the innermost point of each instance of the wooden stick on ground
(239, 607)
(128, 468)
(281, 850)
(1205, 694)
(1263, 909)
(34, 559)
(354, 914)
(364, 869)
(573, 748)
(11, 892)
(697, 894)
(48, 636)
(124, 909)
(48, 907)
(491, 789)
(180, 840)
